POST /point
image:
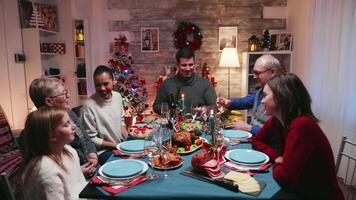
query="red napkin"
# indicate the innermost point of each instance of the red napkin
(118, 188)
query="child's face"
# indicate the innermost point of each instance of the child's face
(64, 133)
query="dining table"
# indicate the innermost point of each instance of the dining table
(178, 186)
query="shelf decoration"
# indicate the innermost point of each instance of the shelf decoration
(187, 35)
(38, 15)
(53, 48)
(266, 40)
(79, 33)
(253, 43)
(131, 87)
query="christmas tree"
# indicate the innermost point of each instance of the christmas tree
(266, 40)
(131, 86)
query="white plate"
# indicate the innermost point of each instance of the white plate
(145, 168)
(168, 168)
(257, 164)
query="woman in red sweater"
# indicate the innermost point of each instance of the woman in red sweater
(302, 156)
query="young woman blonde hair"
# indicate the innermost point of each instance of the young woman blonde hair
(51, 168)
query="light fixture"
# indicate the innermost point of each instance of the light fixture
(229, 58)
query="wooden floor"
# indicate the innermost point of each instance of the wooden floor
(349, 192)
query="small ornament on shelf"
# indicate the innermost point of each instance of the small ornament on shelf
(253, 43)
(79, 33)
(266, 40)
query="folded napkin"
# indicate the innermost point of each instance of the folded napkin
(247, 169)
(123, 155)
(114, 189)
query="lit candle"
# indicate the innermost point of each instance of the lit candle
(183, 103)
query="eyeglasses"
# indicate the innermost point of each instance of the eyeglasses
(257, 73)
(65, 93)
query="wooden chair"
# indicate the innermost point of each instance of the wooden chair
(347, 151)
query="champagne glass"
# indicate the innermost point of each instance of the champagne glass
(165, 113)
(151, 149)
(166, 138)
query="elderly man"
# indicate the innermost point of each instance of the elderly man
(264, 69)
(51, 92)
(194, 87)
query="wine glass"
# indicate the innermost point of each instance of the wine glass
(220, 146)
(151, 149)
(166, 138)
(165, 113)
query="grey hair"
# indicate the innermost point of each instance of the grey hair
(269, 62)
(42, 88)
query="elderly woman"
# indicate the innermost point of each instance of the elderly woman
(303, 158)
(48, 92)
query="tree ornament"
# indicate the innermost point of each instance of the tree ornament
(266, 40)
(187, 35)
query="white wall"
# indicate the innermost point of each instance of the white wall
(298, 22)
(12, 78)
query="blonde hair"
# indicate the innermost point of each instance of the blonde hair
(39, 126)
(42, 88)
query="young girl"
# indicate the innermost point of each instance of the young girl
(51, 167)
(304, 162)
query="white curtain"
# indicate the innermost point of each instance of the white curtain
(331, 71)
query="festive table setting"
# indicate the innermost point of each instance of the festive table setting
(184, 158)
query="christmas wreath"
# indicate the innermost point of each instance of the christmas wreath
(187, 35)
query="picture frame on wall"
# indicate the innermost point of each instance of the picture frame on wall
(227, 37)
(281, 41)
(149, 39)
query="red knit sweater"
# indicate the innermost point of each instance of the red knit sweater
(308, 166)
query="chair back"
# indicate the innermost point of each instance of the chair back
(347, 156)
(5, 188)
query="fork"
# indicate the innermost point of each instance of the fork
(194, 116)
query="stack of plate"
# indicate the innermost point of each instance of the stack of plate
(131, 146)
(247, 157)
(123, 169)
(236, 135)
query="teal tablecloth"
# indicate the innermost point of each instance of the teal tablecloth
(178, 186)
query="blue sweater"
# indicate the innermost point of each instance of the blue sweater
(246, 103)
